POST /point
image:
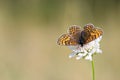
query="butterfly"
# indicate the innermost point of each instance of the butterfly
(78, 36)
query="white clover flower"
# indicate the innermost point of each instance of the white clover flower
(87, 50)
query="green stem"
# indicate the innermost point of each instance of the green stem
(93, 71)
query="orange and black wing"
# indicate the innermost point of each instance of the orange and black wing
(67, 40)
(90, 33)
(75, 32)
(74, 29)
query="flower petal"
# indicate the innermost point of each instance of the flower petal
(72, 54)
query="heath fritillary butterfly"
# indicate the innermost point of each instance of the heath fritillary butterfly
(77, 36)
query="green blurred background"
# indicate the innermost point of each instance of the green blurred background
(29, 30)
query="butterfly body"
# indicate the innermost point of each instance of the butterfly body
(76, 36)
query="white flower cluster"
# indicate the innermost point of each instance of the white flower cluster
(87, 50)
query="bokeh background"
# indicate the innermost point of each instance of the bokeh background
(29, 30)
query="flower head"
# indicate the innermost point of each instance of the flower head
(87, 50)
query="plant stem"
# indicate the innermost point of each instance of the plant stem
(93, 71)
